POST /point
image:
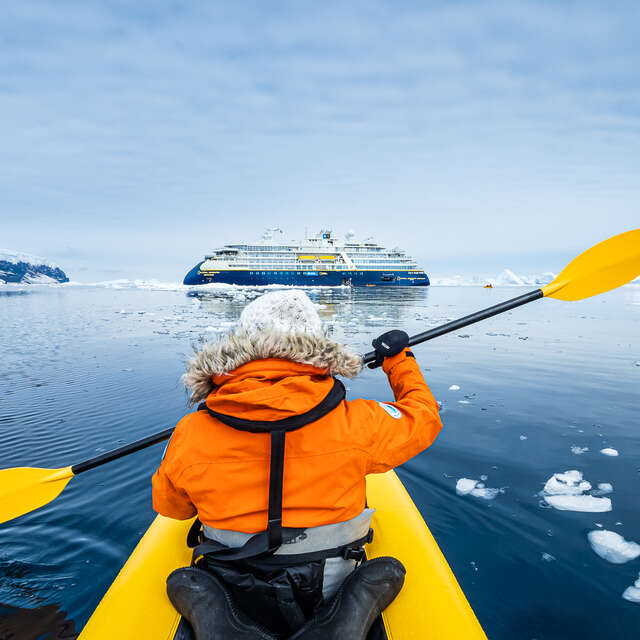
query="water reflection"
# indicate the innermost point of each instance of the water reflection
(48, 622)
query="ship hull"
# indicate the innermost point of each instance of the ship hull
(308, 278)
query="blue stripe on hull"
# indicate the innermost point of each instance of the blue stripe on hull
(308, 278)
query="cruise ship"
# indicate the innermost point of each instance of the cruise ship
(320, 260)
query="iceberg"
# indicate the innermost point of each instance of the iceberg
(507, 278)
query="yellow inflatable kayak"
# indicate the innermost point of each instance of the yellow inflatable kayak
(431, 604)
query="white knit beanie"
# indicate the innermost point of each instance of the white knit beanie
(284, 311)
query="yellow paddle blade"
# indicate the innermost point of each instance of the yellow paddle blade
(605, 266)
(25, 489)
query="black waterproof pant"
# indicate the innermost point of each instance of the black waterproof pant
(281, 599)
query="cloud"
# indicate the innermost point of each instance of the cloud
(476, 124)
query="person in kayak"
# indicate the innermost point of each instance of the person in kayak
(279, 552)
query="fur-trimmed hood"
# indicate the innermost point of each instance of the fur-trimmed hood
(238, 347)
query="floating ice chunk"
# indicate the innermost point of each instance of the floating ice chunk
(612, 546)
(547, 557)
(524, 437)
(605, 487)
(486, 493)
(632, 593)
(567, 483)
(465, 486)
(566, 492)
(464, 402)
(584, 503)
(579, 450)
(608, 451)
(454, 387)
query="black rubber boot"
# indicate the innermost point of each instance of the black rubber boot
(202, 599)
(362, 597)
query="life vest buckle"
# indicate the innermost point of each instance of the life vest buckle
(354, 553)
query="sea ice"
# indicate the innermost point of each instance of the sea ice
(524, 437)
(584, 503)
(608, 451)
(612, 546)
(567, 483)
(604, 487)
(548, 557)
(467, 486)
(487, 493)
(579, 450)
(566, 492)
(454, 387)
(632, 593)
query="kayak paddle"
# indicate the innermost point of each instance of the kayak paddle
(605, 266)
(26, 489)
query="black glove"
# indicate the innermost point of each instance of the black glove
(387, 345)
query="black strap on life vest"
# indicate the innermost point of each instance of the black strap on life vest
(266, 542)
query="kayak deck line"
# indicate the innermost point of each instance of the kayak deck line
(430, 605)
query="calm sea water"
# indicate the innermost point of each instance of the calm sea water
(84, 370)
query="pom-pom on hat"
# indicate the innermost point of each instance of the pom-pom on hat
(284, 311)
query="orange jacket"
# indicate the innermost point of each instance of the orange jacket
(222, 474)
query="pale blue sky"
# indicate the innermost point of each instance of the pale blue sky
(477, 135)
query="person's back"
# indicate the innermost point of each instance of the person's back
(273, 374)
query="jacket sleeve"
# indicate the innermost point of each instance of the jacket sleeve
(168, 499)
(394, 432)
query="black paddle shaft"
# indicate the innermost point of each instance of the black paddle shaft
(125, 450)
(454, 325)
